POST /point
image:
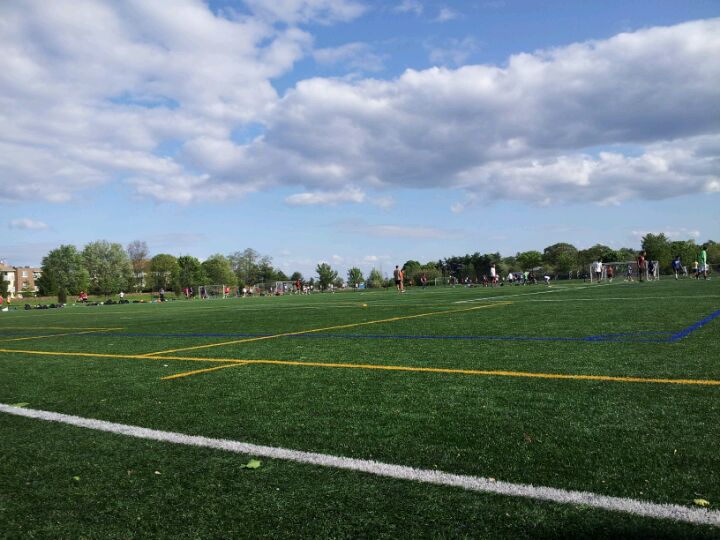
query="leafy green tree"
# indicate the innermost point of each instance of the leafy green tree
(138, 253)
(326, 275)
(297, 275)
(354, 277)
(250, 267)
(510, 263)
(625, 254)
(598, 252)
(561, 256)
(63, 272)
(375, 279)
(657, 247)
(4, 286)
(687, 250)
(218, 270)
(108, 267)
(190, 273)
(265, 272)
(713, 251)
(165, 272)
(529, 259)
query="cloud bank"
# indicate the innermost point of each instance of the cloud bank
(153, 95)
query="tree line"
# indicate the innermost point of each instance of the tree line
(105, 268)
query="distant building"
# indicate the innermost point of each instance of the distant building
(21, 279)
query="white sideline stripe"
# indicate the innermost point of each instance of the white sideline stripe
(636, 507)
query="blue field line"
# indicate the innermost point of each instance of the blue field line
(619, 337)
(686, 331)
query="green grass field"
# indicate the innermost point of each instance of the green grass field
(609, 389)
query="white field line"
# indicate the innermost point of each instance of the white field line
(473, 483)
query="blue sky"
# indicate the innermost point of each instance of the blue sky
(357, 133)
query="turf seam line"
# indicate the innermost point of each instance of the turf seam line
(625, 505)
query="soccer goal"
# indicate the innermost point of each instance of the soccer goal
(283, 287)
(205, 292)
(445, 281)
(626, 270)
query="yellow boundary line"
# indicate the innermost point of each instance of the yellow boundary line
(198, 371)
(27, 338)
(324, 329)
(56, 328)
(449, 371)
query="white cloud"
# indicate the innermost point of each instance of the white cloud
(350, 195)
(453, 52)
(409, 6)
(90, 91)
(673, 233)
(303, 11)
(446, 14)
(353, 56)
(27, 224)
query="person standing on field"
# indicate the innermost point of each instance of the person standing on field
(702, 263)
(641, 266)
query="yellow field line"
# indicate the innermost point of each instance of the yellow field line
(449, 371)
(56, 328)
(120, 356)
(27, 338)
(324, 329)
(198, 371)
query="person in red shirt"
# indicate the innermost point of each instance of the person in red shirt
(641, 263)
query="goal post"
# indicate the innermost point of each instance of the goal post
(444, 281)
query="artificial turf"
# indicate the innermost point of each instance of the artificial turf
(643, 440)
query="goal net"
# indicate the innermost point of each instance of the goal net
(205, 292)
(284, 287)
(445, 281)
(624, 270)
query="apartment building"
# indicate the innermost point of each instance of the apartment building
(21, 279)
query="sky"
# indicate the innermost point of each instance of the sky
(357, 132)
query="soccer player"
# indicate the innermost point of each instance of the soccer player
(677, 266)
(396, 277)
(702, 263)
(641, 266)
(610, 273)
(597, 269)
(493, 275)
(629, 273)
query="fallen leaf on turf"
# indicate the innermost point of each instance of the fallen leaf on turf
(252, 464)
(158, 472)
(701, 502)
(76, 478)
(23, 404)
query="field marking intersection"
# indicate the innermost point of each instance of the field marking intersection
(324, 329)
